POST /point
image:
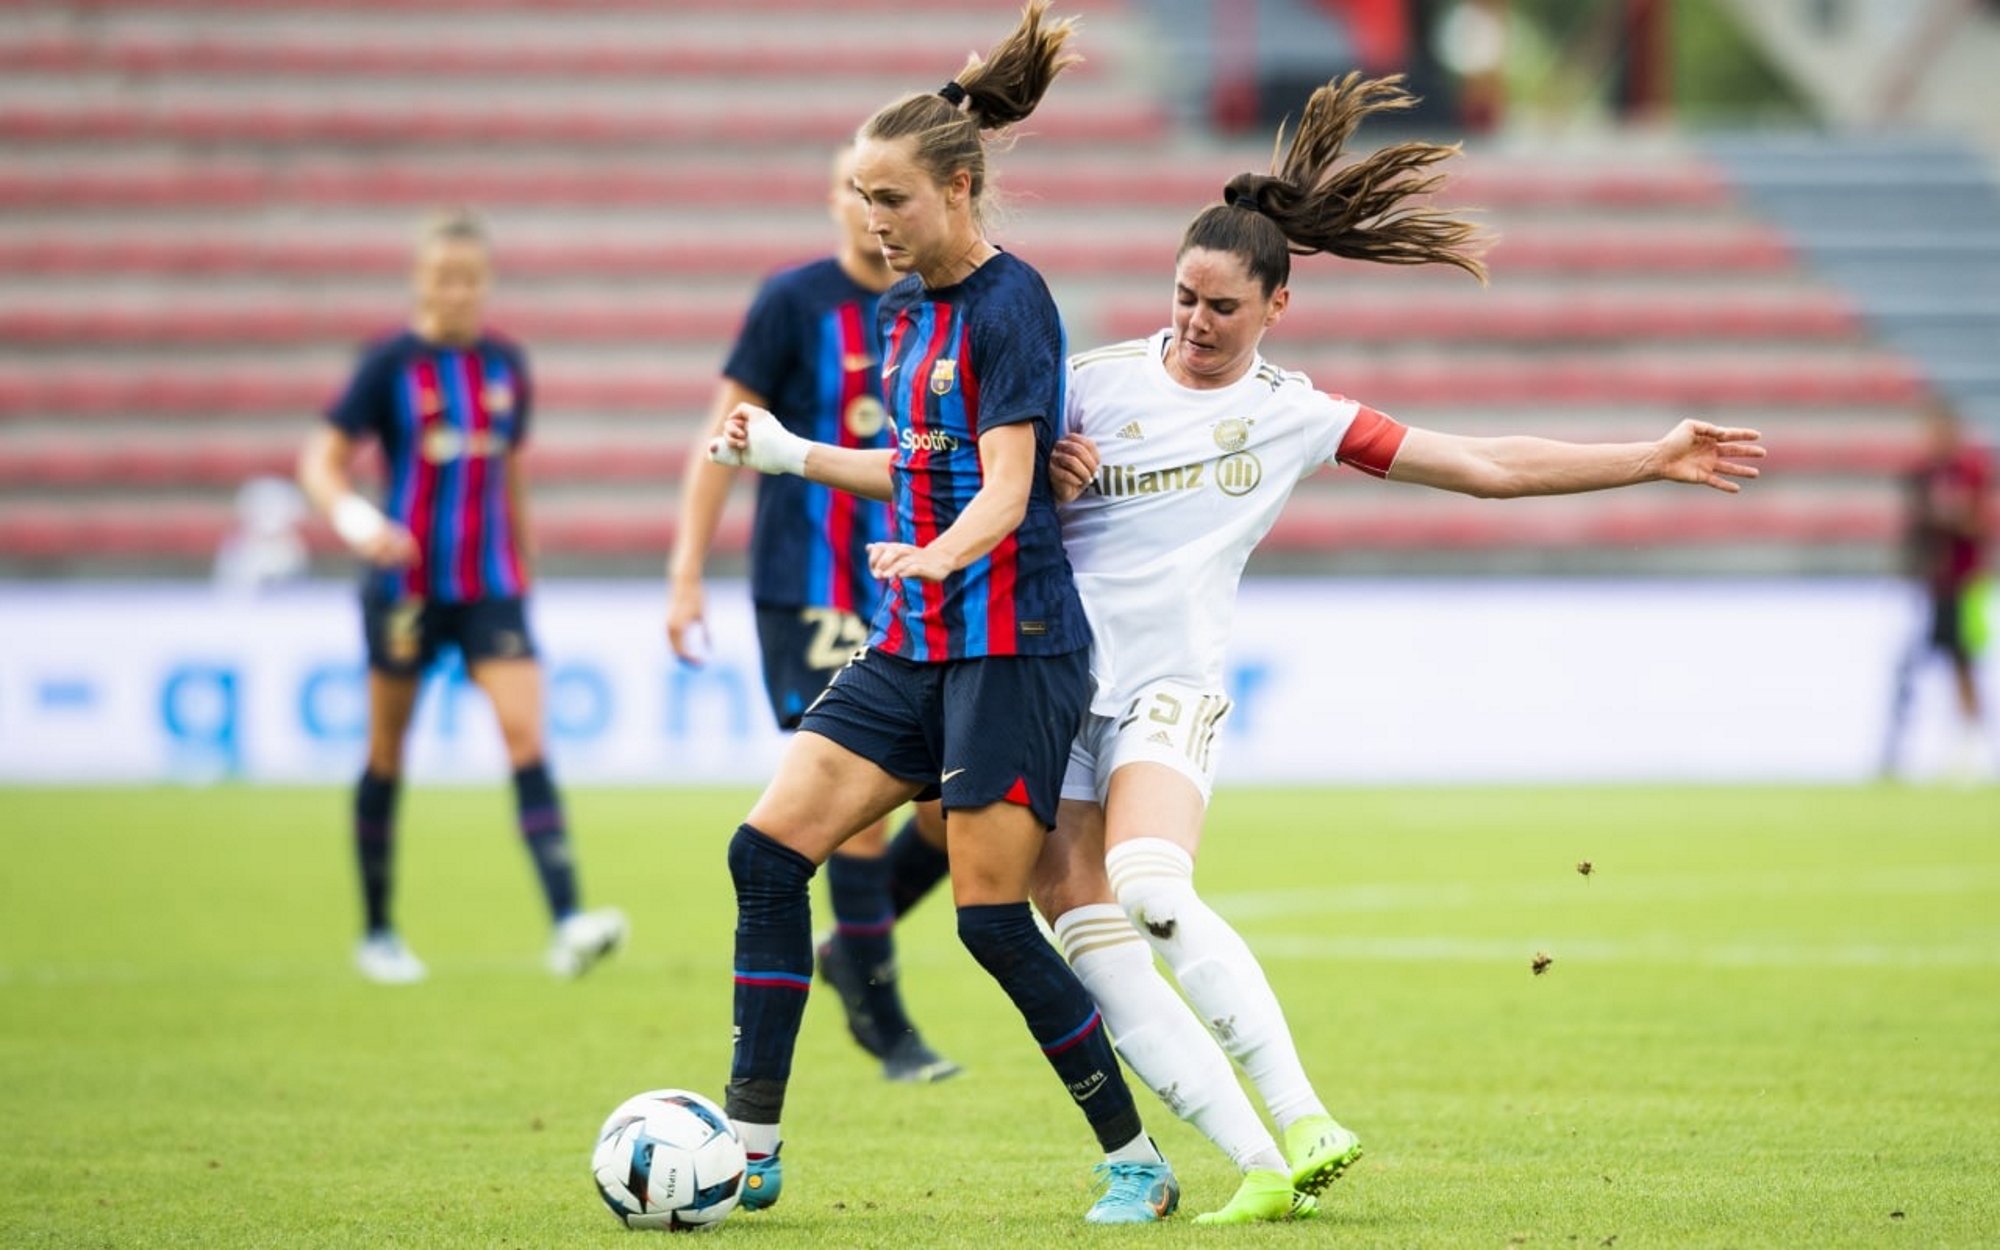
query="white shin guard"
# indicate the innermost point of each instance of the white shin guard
(1154, 881)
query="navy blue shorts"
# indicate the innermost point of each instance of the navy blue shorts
(1947, 632)
(803, 649)
(405, 635)
(974, 732)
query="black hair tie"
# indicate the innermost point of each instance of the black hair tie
(953, 94)
(1234, 198)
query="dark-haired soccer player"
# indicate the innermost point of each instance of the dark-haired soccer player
(810, 352)
(449, 403)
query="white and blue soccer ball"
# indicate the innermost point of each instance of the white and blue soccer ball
(668, 1159)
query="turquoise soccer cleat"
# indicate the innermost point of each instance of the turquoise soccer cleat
(1134, 1193)
(763, 1181)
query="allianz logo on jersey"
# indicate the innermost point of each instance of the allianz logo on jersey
(1234, 475)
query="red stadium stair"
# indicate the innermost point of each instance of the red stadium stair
(206, 204)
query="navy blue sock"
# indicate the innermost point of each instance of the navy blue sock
(774, 966)
(374, 838)
(914, 867)
(1059, 1012)
(548, 840)
(865, 928)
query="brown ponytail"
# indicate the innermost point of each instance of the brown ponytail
(1306, 205)
(998, 90)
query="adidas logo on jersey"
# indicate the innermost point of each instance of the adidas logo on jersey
(1131, 430)
(1160, 736)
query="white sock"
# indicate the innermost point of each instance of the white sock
(1139, 1150)
(1155, 883)
(1158, 1037)
(1970, 761)
(758, 1139)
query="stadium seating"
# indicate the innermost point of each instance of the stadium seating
(205, 205)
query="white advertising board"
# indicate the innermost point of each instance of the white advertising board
(1335, 681)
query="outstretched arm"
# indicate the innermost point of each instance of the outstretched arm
(751, 436)
(1693, 452)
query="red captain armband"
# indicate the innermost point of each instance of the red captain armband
(1371, 442)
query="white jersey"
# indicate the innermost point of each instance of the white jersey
(1190, 482)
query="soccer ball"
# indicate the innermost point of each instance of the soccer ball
(668, 1159)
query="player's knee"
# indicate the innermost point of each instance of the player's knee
(760, 865)
(385, 754)
(930, 822)
(523, 740)
(1056, 892)
(1047, 899)
(1154, 882)
(996, 933)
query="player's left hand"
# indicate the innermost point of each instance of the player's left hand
(1701, 454)
(887, 560)
(391, 547)
(1073, 463)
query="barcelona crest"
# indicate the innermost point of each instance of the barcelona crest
(944, 376)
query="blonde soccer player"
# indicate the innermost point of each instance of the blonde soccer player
(976, 672)
(449, 403)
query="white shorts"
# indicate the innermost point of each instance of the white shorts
(1165, 723)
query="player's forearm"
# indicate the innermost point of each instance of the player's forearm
(704, 494)
(519, 528)
(1540, 466)
(994, 513)
(1518, 465)
(852, 469)
(322, 473)
(1962, 520)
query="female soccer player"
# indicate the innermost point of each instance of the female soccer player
(976, 672)
(810, 352)
(1203, 442)
(449, 402)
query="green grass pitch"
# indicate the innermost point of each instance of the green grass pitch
(1772, 1019)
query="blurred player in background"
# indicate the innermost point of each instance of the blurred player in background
(264, 547)
(1950, 524)
(449, 403)
(810, 351)
(976, 672)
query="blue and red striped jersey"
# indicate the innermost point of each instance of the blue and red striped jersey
(811, 348)
(959, 361)
(446, 418)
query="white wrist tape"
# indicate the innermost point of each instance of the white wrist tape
(772, 449)
(356, 520)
